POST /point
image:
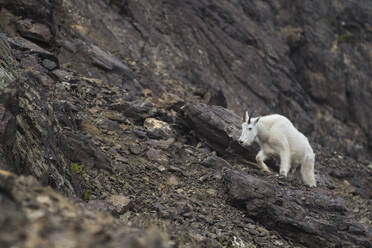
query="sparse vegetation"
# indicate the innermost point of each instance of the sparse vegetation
(347, 37)
(76, 168)
(86, 195)
(224, 244)
(332, 20)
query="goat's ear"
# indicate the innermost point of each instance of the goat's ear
(256, 121)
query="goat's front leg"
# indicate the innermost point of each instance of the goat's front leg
(285, 162)
(260, 158)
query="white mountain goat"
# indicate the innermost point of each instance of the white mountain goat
(277, 136)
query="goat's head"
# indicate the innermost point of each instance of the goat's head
(249, 129)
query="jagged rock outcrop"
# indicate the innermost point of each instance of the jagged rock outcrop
(219, 127)
(31, 144)
(312, 217)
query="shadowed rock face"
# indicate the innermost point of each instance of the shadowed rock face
(133, 108)
(308, 61)
(312, 217)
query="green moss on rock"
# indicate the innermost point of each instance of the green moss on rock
(347, 37)
(76, 168)
(86, 195)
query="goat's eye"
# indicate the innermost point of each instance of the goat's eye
(249, 128)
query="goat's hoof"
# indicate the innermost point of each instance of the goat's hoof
(283, 173)
(284, 178)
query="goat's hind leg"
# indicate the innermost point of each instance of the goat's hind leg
(260, 158)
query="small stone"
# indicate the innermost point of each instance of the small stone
(157, 155)
(356, 229)
(253, 232)
(169, 100)
(215, 162)
(212, 235)
(165, 144)
(136, 110)
(158, 128)
(212, 192)
(251, 226)
(342, 227)
(98, 204)
(35, 31)
(89, 128)
(66, 85)
(34, 215)
(62, 75)
(43, 199)
(364, 220)
(203, 178)
(135, 148)
(278, 242)
(173, 181)
(124, 217)
(197, 236)
(122, 159)
(45, 80)
(114, 116)
(60, 86)
(50, 65)
(120, 203)
(176, 169)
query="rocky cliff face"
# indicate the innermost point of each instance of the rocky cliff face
(113, 105)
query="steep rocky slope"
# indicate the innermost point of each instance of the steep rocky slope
(109, 136)
(309, 61)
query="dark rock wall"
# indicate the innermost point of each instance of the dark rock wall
(29, 132)
(309, 61)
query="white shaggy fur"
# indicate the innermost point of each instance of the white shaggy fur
(277, 136)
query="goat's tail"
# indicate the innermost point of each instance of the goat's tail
(307, 170)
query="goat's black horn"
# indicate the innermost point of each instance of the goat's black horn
(250, 116)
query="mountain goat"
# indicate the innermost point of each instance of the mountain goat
(277, 136)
